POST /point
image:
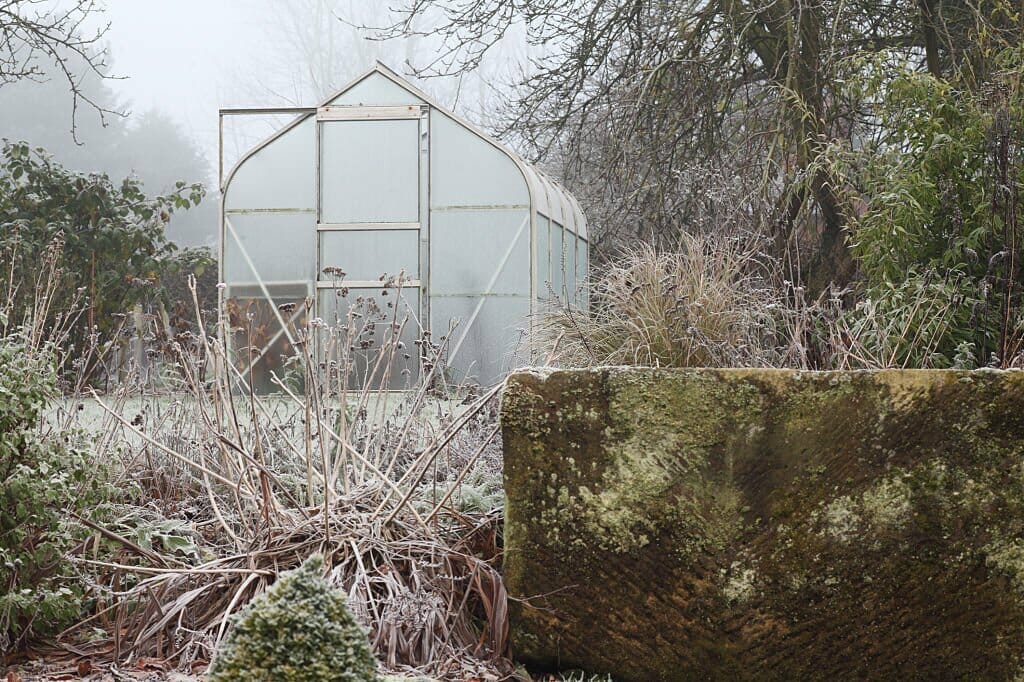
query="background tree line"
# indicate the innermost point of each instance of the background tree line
(94, 202)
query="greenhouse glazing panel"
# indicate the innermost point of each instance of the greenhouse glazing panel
(269, 247)
(466, 170)
(368, 254)
(476, 252)
(375, 90)
(582, 259)
(281, 175)
(493, 343)
(369, 171)
(570, 267)
(543, 257)
(558, 260)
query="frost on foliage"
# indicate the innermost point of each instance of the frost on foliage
(300, 629)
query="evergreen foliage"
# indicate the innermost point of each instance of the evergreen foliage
(300, 629)
(111, 235)
(939, 237)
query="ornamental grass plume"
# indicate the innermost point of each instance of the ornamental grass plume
(711, 302)
(300, 629)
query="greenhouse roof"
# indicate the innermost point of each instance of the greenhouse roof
(547, 196)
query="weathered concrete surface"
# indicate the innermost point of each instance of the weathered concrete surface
(767, 524)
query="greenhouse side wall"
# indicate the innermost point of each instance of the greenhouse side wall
(479, 252)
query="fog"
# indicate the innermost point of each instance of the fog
(174, 64)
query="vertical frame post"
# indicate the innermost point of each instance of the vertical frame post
(223, 336)
(318, 205)
(424, 211)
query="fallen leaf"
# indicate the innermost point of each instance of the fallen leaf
(150, 664)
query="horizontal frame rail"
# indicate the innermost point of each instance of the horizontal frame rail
(336, 227)
(357, 113)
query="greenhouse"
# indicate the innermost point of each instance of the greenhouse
(379, 194)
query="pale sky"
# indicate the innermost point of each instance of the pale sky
(190, 57)
(183, 56)
(169, 49)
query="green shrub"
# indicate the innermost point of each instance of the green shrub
(111, 236)
(41, 481)
(944, 175)
(923, 321)
(300, 629)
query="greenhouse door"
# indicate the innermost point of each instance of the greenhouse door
(372, 237)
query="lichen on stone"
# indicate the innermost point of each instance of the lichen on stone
(1007, 556)
(841, 518)
(884, 506)
(887, 505)
(740, 583)
(626, 512)
(299, 630)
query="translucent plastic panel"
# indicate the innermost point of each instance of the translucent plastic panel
(260, 349)
(570, 214)
(570, 266)
(555, 198)
(281, 175)
(543, 257)
(280, 246)
(284, 292)
(581, 220)
(369, 171)
(535, 190)
(467, 248)
(582, 268)
(371, 330)
(493, 343)
(376, 90)
(368, 254)
(557, 260)
(466, 170)
(559, 211)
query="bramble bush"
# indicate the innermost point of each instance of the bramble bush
(113, 246)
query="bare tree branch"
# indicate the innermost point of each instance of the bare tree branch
(667, 116)
(37, 38)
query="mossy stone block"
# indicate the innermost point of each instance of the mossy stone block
(766, 524)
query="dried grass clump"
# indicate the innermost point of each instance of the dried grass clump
(298, 630)
(708, 303)
(379, 483)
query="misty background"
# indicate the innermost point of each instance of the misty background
(174, 64)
